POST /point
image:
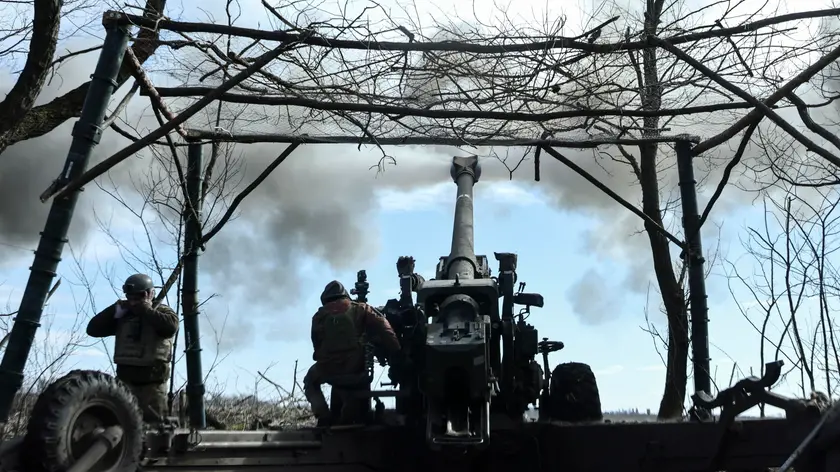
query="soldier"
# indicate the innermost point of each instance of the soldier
(143, 343)
(338, 329)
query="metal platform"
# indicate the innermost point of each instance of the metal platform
(628, 447)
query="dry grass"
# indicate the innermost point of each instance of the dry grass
(19, 416)
(242, 412)
(248, 412)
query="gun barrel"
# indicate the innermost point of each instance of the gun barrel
(465, 172)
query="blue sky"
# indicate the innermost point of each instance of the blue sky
(556, 250)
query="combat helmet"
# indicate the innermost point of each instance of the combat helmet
(138, 283)
(333, 291)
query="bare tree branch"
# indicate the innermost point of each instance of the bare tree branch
(21, 98)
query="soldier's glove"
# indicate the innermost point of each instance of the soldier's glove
(121, 309)
(137, 307)
(405, 265)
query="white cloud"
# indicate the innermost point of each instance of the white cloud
(423, 198)
(441, 195)
(512, 193)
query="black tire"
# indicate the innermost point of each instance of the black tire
(573, 394)
(69, 409)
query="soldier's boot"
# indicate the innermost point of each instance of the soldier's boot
(318, 404)
(352, 408)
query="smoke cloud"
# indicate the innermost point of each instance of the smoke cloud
(316, 209)
(25, 172)
(29, 167)
(313, 202)
(592, 300)
(317, 206)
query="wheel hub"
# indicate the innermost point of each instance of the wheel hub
(85, 431)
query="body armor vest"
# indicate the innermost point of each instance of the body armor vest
(138, 344)
(340, 336)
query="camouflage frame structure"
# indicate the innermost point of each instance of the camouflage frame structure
(807, 436)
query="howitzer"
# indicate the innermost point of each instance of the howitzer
(469, 359)
(462, 302)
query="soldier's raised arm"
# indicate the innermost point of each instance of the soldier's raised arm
(405, 266)
(162, 318)
(104, 323)
(381, 328)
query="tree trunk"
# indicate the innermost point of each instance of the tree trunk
(46, 23)
(44, 118)
(676, 376)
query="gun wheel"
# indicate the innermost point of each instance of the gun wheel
(64, 417)
(573, 394)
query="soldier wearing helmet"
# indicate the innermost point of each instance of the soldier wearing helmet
(143, 335)
(338, 329)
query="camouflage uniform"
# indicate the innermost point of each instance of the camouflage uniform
(142, 349)
(338, 329)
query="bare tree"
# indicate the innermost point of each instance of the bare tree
(38, 35)
(815, 104)
(42, 44)
(794, 284)
(156, 197)
(53, 351)
(690, 76)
